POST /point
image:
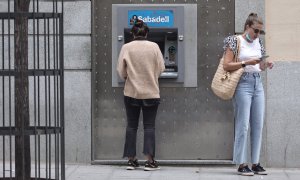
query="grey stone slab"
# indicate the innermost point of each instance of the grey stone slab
(7, 52)
(284, 80)
(77, 15)
(4, 6)
(78, 116)
(276, 81)
(283, 132)
(241, 13)
(80, 171)
(257, 6)
(77, 52)
(45, 114)
(244, 8)
(282, 115)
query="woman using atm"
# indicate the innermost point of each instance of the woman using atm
(140, 64)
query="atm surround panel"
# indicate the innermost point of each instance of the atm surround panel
(173, 47)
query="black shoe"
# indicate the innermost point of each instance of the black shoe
(132, 164)
(259, 170)
(245, 171)
(151, 166)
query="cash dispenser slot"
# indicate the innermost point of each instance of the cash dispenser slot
(170, 72)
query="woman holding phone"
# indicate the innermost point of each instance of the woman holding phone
(249, 99)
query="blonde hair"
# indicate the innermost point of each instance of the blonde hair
(252, 18)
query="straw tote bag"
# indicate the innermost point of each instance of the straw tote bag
(224, 82)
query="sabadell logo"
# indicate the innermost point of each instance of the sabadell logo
(159, 19)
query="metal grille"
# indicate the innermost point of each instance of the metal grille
(32, 118)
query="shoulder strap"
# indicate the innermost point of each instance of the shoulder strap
(238, 43)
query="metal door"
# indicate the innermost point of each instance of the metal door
(192, 123)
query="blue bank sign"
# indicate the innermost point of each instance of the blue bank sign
(153, 18)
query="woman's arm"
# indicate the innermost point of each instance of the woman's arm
(230, 65)
(121, 67)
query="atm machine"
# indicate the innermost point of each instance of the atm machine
(167, 41)
(166, 29)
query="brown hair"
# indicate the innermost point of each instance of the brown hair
(139, 28)
(252, 18)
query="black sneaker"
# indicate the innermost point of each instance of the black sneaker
(258, 169)
(132, 164)
(151, 166)
(245, 171)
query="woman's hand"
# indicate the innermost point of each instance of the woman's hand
(266, 64)
(252, 61)
(269, 64)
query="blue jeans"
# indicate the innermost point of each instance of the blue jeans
(249, 107)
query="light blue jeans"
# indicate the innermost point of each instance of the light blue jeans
(249, 107)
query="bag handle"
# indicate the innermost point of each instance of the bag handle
(238, 46)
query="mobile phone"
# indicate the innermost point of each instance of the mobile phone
(264, 57)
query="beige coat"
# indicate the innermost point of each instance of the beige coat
(140, 63)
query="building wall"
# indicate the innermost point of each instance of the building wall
(283, 28)
(77, 49)
(283, 83)
(281, 145)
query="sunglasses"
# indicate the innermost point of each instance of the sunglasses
(256, 31)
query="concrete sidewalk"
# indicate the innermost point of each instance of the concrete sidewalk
(108, 172)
